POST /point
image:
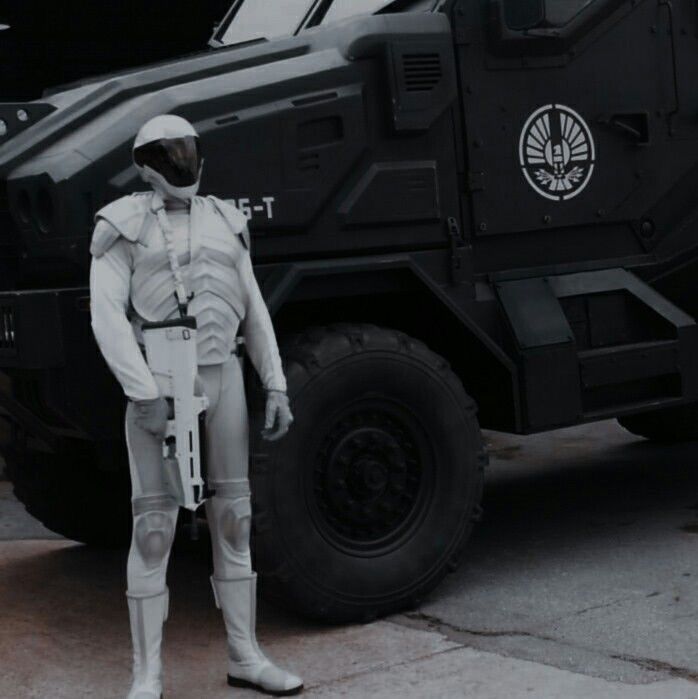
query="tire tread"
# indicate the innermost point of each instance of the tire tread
(305, 355)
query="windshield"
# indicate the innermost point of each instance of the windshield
(250, 20)
(349, 8)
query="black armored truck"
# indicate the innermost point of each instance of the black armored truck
(464, 213)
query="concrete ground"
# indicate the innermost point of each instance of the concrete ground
(580, 582)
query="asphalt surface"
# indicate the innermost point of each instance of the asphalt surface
(587, 558)
(580, 582)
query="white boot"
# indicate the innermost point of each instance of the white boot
(247, 665)
(147, 615)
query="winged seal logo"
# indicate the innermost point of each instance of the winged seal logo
(556, 152)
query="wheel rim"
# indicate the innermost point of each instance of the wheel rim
(372, 477)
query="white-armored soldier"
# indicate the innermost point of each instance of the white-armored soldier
(140, 245)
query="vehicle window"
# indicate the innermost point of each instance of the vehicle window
(558, 13)
(251, 19)
(341, 9)
(411, 6)
(248, 20)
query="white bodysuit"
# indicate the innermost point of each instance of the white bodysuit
(132, 282)
(131, 276)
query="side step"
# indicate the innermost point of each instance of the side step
(597, 344)
(627, 375)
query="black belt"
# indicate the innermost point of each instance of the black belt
(238, 351)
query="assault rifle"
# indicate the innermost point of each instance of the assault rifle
(170, 348)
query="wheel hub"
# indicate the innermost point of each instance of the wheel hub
(370, 478)
(367, 477)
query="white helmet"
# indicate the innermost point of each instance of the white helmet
(167, 154)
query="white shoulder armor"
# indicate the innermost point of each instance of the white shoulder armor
(233, 217)
(122, 218)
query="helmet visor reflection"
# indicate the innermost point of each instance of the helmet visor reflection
(178, 160)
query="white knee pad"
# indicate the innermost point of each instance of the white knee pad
(154, 520)
(232, 512)
(236, 523)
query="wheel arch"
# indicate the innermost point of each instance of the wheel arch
(395, 292)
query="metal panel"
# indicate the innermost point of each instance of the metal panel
(548, 356)
(614, 280)
(393, 193)
(422, 81)
(629, 363)
(551, 387)
(534, 313)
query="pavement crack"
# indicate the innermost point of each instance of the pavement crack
(601, 606)
(442, 626)
(459, 634)
(653, 665)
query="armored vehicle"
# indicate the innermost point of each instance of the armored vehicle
(465, 214)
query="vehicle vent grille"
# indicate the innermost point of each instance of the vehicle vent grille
(422, 72)
(7, 327)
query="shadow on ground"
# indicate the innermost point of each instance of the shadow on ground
(561, 491)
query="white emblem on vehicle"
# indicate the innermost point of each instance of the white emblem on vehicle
(556, 152)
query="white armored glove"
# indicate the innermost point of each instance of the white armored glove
(278, 416)
(152, 415)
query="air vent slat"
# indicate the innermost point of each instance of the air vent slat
(421, 72)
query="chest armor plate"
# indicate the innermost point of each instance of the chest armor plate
(211, 273)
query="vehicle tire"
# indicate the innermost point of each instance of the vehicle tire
(368, 501)
(69, 495)
(678, 424)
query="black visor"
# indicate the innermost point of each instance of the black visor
(178, 160)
